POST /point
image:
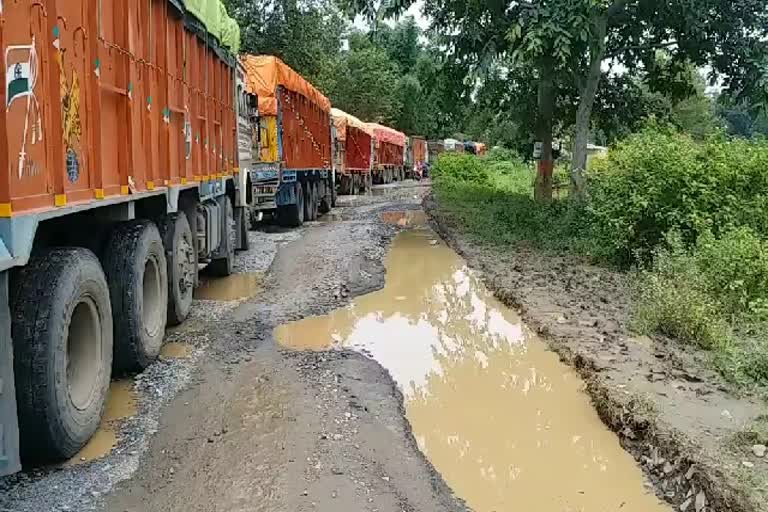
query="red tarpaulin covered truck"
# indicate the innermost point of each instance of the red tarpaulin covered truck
(353, 158)
(389, 155)
(294, 175)
(119, 179)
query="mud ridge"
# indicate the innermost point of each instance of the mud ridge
(637, 386)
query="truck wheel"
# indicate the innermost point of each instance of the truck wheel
(137, 273)
(315, 206)
(292, 215)
(308, 198)
(242, 222)
(180, 256)
(325, 200)
(223, 267)
(62, 341)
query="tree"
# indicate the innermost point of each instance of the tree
(573, 40)
(306, 35)
(366, 83)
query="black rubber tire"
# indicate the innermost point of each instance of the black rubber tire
(292, 215)
(132, 246)
(242, 218)
(308, 198)
(182, 266)
(315, 206)
(225, 265)
(47, 293)
(325, 200)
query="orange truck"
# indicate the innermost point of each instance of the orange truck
(389, 153)
(126, 137)
(292, 177)
(420, 157)
(353, 153)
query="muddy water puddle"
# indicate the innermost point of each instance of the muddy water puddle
(234, 287)
(121, 404)
(175, 350)
(499, 416)
(409, 218)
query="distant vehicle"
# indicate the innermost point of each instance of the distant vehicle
(419, 157)
(389, 154)
(453, 145)
(123, 172)
(353, 153)
(434, 149)
(293, 177)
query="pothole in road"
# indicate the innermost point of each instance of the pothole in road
(175, 350)
(234, 287)
(409, 218)
(499, 416)
(121, 404)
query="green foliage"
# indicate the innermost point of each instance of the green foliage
(713, 295)
(460, 168)
(364, 85)
(660, 181)
(305, 35)
(491, 199)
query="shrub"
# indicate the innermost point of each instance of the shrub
(658, 181)
(715, 296)
(460, 167)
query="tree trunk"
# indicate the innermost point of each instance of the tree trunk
(546, 101)
(584, 112)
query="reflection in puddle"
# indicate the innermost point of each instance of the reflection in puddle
(234, 287)
(121, 404)
(175, 350)
(409, 218)
(503, 420)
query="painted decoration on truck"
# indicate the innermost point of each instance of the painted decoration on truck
(70, 117)
(21, 73)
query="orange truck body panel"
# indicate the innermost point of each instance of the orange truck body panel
(107, 98)
(302, 111)
(419, 150)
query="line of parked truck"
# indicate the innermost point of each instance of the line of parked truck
(137, 149)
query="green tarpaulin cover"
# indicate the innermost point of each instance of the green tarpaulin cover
(217, 21)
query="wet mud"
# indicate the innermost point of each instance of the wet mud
(507, 425)
(234, 287)
(121, 405)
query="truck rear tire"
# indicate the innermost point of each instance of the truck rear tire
(62, 341)
(182, 267)
(309, 197)
(224, 266)
(326, 199)
(292, 215)
(315, 205)
(137, 273)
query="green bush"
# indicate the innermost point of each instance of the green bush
(660, 181)
(715, 296)
(460, 167)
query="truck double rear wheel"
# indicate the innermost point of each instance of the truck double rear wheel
(62, 341)
(292, 215)
(182, 265)
(137, 273)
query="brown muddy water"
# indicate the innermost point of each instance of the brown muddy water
(234, 287)
(121, 404)
(499, 416)
(175, 350)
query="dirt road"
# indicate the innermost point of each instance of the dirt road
(255, 427)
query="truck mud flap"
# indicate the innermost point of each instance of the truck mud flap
(9, 428)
